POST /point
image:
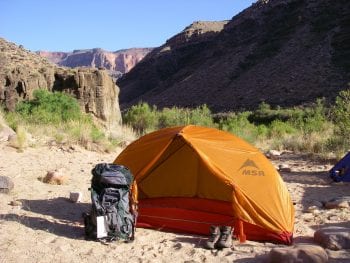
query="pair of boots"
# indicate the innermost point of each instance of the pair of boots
(220, 237)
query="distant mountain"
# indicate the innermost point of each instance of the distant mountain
(118, 62)
(283, 52)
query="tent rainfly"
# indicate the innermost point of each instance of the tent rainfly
(188, 178)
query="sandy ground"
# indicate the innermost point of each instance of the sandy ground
(47, 227)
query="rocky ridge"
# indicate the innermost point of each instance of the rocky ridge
(117, 63)
(22, 72)
(283, 52)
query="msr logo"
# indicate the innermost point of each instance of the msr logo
(249, 167)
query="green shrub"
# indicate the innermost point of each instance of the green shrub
(48, 107)
(96, 134)
(279, 128)
(313, 118)
(239, 125)
(265, 114)
(201, 116)
(142, 118)
(341, 113)
(174, 116)
(341, 119)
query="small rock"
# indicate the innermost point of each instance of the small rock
(341, 202)
(177, 246)
(55, 177)
(273, 154)
(64, 248)
(52, 143)
(75, 197)
(48, 240)
(6, 184)
(334, 238)
(298, 253)
(316, 203)
(15, 203)
(312, 209)
(284, 168)
(333, 218)
(308, 217)
(316, 212)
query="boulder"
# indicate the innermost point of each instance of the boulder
(6, 184)
(334, 238)
(298, 254)
(5, 132)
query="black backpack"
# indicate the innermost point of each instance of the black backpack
(110, 217)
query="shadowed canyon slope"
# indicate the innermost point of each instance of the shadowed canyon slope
(283, 52)
(117, 63)
(22, 72)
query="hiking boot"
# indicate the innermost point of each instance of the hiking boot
(214, 237)
(225, 240)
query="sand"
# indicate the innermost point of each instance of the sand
(45, 226)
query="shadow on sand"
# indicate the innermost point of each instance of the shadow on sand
(60, 216)
(318, 186)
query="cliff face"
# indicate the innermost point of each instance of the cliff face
(117, 63)
(22, 72)
(283, 52)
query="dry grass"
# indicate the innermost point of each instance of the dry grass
(2, 121)
(73, 133)
(20, 140)
(123, 134)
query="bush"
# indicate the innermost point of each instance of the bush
(313, 118)
(341, 119)
(201, 116)
(142, 118)
(341, 113)
(48, 107)
(239, 125)
(265, 114)
(169, 117)
(279, 128)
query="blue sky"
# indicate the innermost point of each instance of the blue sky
(65, 25)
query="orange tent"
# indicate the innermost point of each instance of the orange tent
(188, 178)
